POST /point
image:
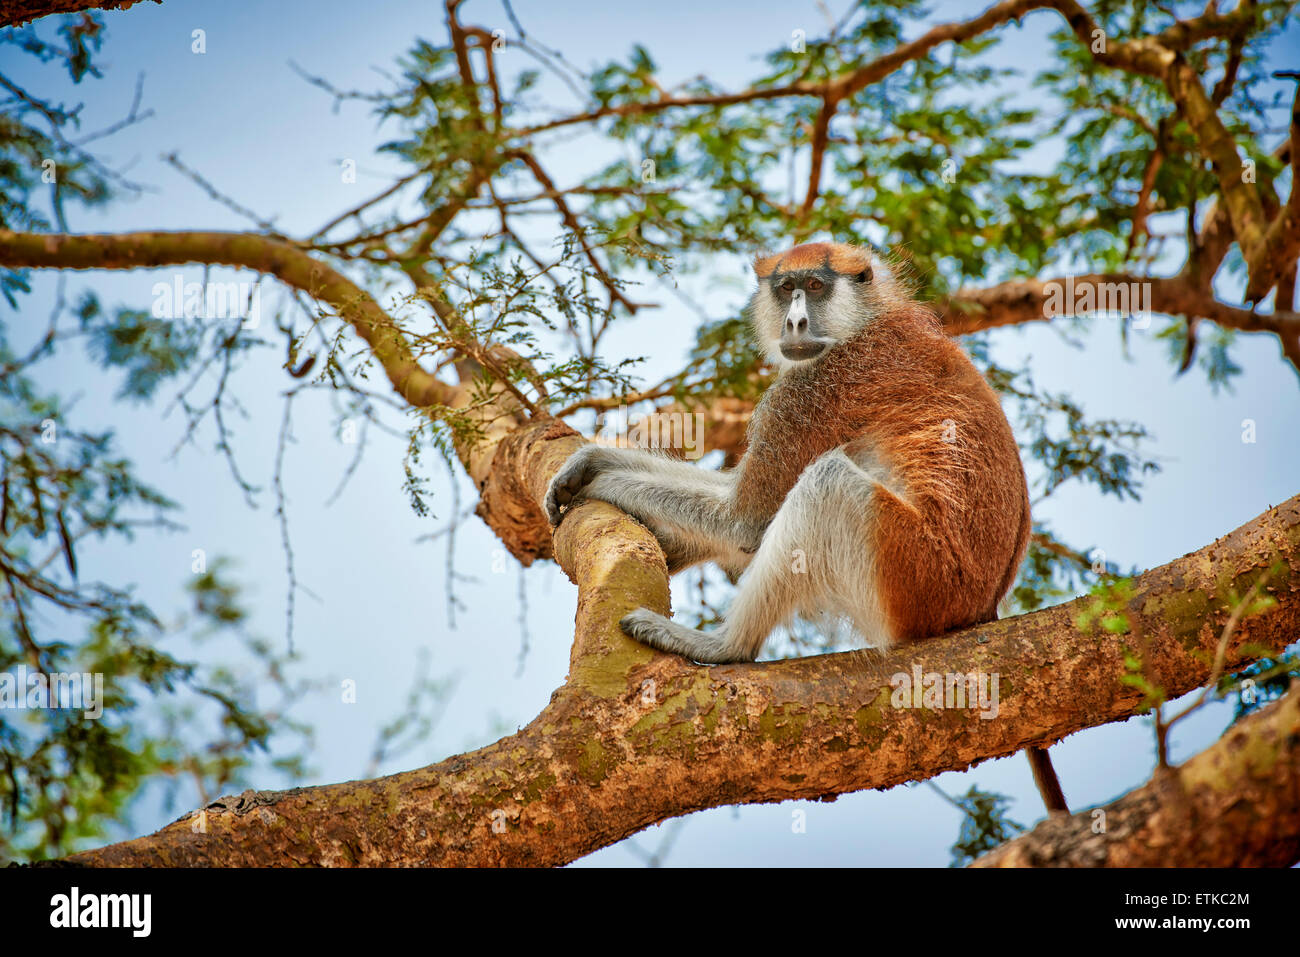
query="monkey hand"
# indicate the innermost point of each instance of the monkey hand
(574, 475)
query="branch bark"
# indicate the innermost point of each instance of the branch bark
(18, 12)
(1236, 804)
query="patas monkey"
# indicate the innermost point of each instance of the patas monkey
(882, 485)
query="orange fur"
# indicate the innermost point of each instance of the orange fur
(844, 259)
(901, 393)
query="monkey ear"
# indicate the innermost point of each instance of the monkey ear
(765, 264)
(864, 276)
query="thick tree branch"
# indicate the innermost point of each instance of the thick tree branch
(1236, 804)
(635, 736)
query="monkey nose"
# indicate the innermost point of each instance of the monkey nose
(796, 319)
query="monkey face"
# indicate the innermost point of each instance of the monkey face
(803, 294)
(810, 298)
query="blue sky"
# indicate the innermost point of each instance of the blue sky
(242, 117)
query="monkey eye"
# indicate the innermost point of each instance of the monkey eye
(788, 285)
(814, 285)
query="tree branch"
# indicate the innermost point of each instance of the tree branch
(1268, 261)
(18, 12)
(635, 736)
(1236, 804)
(287, 263)
(1030, 300)
(834, 89)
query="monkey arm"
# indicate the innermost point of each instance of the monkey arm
(690, 510)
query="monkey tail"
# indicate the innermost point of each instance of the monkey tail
(1045, 777)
